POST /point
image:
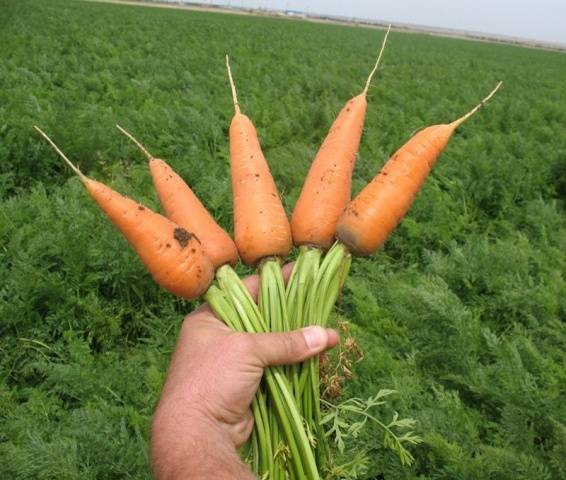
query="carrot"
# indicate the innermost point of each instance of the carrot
(184, 208)
(373, 214)
(327, 188)
(173, 255)
(261, 227)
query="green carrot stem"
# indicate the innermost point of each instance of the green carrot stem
(255, 452)
(302, 457)
(298, 287)
(265, 453)
(274, 312)
(312, 292)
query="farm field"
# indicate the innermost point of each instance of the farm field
(462, 312)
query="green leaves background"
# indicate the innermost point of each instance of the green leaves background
(462, 313)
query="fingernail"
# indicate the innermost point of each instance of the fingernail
(315, 337)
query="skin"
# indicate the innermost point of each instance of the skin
(370, 218)
(173, 255)
(374, 213)
(261, 227)
(204, 414)
(326, 190)
(184, 208)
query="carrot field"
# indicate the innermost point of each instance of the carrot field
(462, 313)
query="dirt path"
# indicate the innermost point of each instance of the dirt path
(176, 6)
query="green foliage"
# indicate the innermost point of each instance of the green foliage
(346, 420)
(462, 312)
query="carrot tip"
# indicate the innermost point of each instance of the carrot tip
(376, 66)
(75, 169)
(232, 86)
(456, 123)
(133, 139)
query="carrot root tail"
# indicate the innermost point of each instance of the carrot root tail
(75, 169)
(456, 123)
(232, 86)
(376, 66)
(133, 139)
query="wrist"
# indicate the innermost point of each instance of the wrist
(187, 444)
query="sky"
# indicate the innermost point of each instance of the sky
(529, 19)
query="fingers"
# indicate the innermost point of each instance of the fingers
(252, 284)
(292, 347)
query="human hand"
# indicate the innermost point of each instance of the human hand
(204, 413)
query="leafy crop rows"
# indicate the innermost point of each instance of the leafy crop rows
(462, 313)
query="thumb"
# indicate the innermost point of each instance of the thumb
(295, 346)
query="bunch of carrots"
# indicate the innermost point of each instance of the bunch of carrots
(191, 256)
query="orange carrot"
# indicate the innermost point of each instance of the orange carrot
(373, 214)
(261, 227)
(184, 208)
(327, 188)
(173, 255)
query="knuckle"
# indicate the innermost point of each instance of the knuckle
(290, 345)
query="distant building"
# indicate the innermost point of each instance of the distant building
(294, 13)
